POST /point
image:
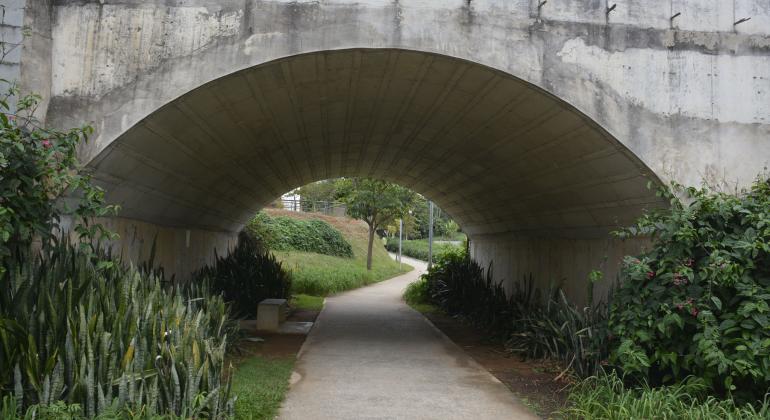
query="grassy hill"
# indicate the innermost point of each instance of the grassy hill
(320, 275)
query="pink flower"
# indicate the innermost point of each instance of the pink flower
(650, 275)
(679, 306)
(694, 311)
(46, 143)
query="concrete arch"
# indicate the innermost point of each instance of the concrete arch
(687, 98)
(499, 154)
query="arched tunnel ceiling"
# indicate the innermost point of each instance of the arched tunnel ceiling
(496, 153)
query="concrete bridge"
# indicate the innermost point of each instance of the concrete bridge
(537, 125)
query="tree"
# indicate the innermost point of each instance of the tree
(375, 202)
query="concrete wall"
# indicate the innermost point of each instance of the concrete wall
(690, 97)
(563, 262)
(178, 251)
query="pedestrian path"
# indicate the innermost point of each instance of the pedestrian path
(370, 356)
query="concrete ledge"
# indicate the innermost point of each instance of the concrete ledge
(270, 314)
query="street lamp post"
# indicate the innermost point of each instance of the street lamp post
(400, 239)
(430, 234)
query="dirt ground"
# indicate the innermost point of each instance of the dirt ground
(532, 381)
(274, 345)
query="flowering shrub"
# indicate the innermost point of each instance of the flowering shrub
(698, 302)
(37, 167)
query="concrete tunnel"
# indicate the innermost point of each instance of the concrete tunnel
(535, 184)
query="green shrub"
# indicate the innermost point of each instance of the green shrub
(417, 292)
(246, 276)
(282, 233)
(84, 329)
(418, 248)
(606, 397)
(698, 302)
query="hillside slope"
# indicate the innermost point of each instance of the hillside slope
(320, 275)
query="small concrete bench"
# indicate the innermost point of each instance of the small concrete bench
(271, 313)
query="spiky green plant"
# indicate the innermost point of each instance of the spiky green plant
(81, 328)
(247, 275)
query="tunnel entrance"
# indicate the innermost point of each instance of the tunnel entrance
(534, 183)
(497, 153)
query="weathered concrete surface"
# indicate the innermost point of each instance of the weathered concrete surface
(409, 89)
(370, 355)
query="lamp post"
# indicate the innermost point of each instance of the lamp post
(430, 234)
(401, 237)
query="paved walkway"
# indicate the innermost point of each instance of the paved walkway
(370, 356)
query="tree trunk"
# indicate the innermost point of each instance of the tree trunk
(369, 250)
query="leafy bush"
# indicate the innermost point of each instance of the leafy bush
(698, 302)
(418, 248)
(607, 397)
(285, 233)
(83, 329)
(246, 276)
(38, 165)
(417, 292)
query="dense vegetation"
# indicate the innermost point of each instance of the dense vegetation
(531, 324)
(697, 303)
(320, 275)
(284, 233)
(81, 334)
(81, 328)
(607, 397)
(245, 277)
(418, 248)
(687, 329)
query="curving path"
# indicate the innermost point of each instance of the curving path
(370, 356)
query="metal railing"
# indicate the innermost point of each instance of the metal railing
(308, 206)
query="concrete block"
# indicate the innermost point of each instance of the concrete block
(270, 314)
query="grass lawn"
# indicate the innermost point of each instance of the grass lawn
(321, 275)
(307, 302)
(260, 384)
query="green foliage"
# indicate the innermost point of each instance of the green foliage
(322, 275)
(532, 325)
(698, 302)
(37, 166)
(84, 329)
(325, 190)
(605, 397)
(281, 233)
(417, 292)
(261, 384)
(418, 248)
(246, 276)
(307, 302)
(373, 201)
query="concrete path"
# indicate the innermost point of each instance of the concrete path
(370, 356)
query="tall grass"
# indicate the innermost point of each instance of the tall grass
(81, 328)
(605, 397)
